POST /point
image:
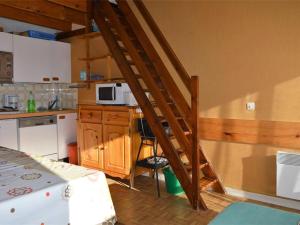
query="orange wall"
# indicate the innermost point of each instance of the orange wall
(243, 51)
(97, 48)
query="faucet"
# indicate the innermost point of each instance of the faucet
(53, 103)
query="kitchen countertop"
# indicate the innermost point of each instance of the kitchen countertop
(27, 114)
(108, 106)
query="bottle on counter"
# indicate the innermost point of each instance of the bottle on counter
(31, 103)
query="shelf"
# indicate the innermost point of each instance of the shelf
(95, 58)
(90, 35)
(120, 79)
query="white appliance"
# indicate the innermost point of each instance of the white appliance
(38, 136)
(9, 134)
(114, 94)
(66, 132)
(11, 101)
(288, 175)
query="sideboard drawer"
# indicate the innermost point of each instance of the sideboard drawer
(119, 118)
(90, 116)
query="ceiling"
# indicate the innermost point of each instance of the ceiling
(58, 15)
(9, 25)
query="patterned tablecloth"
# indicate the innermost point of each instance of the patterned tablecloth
(38, 191)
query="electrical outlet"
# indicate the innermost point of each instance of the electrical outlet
(250, 106)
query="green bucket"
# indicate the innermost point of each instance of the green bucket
(172, 184)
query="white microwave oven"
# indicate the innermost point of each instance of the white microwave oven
(114, 94)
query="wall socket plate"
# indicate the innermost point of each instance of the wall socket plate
(250, 106)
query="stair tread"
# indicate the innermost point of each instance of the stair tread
(154, 103)
(186, 133)
(203, 163)
(163, 119)
(130, 62)
(148, 90)
(206, 182)
(123, 49)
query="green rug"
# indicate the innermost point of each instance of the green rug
(242, 213)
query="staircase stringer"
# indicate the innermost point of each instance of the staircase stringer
(150, 82)
(145, 105)
(167, 79)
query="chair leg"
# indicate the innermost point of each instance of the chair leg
(155, 163)
(157, 183)
(132, 174)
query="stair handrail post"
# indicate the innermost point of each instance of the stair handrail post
(195, 139)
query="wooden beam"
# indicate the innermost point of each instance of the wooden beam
(49, 9)
(80, 5)
(74, 16)
(33, 18)
(68, 34)
(41, 7)
(274, 133)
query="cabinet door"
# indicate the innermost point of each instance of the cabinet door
(91, 145)
(61, 61)
(116, 149)
(66, 132)
(9, 134)
(31, 59)
(6, 42)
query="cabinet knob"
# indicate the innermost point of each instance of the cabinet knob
(90, 114)
(62, 117)
(46, 79)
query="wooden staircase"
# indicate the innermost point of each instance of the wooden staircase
(145, 72)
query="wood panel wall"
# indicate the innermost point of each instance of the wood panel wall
(273, 133)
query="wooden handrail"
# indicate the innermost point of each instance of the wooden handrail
(159, 67)
(164, 44)
(195, 139)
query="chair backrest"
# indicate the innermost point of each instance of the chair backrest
(144, 129)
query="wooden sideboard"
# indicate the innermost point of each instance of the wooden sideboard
(108, 139)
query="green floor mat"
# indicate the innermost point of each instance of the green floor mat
(242, 213)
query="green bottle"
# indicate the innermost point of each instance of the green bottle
(31, 103)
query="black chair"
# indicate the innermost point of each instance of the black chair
(159, 161)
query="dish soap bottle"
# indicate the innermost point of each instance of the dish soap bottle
(31, 103)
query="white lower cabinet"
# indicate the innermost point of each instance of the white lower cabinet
(39, 140)
(66, 132)
(45, 140)
(9, 134)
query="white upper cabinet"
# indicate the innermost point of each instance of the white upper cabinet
(31, 59)
(6, 42)
(37, 60)
(60, 53)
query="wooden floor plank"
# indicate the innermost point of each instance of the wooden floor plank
(141, 205)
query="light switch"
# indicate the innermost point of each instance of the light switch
(250, 106)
